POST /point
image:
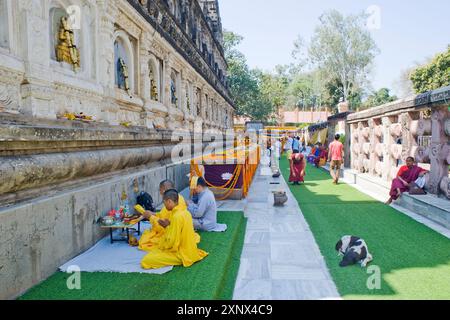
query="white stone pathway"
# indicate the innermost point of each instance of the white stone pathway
(280, 258)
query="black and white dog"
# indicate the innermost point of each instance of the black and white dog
(354, 250)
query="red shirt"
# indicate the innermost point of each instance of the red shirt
(336, 151)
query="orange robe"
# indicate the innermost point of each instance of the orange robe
(177, 246)
(151, 237)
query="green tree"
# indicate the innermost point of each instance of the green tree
(343, 49)
(434, 75)
(244, 83)
(378, 98)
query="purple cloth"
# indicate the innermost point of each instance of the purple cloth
(214, 175)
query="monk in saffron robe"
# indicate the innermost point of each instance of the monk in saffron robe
(151, 237)
(406, 175)
(298, 166)
(178, 245)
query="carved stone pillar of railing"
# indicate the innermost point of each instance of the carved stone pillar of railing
(373, 158)
(408, 140)
(348, 144)
(354, 146)
(439, 149)
(388, 141)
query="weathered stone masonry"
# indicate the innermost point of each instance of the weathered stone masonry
(58, 177)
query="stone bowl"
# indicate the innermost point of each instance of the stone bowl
(280, 198)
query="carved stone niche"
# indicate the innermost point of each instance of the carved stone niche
(379, 131)
(396, 151)
(422, 154)
(420, 127)
(445, 187)
(366, 132)
(396, 130)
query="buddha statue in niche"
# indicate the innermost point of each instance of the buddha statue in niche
(66, 50)
(122, 71)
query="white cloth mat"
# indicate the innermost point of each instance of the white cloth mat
(118, 257)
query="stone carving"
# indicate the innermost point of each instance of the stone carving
(66, 50)
(173, 92)
(445, 187)
(153, 88)
(122, 71)
(447, 127)
(5, 100)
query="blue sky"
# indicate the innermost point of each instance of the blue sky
(410, 30)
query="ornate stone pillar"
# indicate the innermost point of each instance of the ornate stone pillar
(109, 12)
(388, 140)
(36, 93)
(372, 143)
(408, 140)
(166, 82)
(147, 115)
(439, 150)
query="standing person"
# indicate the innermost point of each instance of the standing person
(288, 146)
(406, 175)
(336, 157)
(296, 145)
(297, 166)
(278, 149)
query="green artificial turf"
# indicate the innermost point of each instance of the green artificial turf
(211, 279)
(414, 260)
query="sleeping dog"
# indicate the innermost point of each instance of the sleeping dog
(354, 250)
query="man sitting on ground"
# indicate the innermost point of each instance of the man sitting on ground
(205, 212)
(178, 245)
(159, 222)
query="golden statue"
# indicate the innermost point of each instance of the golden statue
(154, 91)
(66, 50)
(124, 82)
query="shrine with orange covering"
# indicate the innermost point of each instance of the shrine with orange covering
(229, 174)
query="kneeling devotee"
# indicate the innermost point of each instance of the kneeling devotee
(204, 213)
(151, 237)
(178, 245)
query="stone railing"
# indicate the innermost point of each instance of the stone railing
(383, 137)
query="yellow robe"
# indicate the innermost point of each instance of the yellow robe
(150, 238)
(178, 245)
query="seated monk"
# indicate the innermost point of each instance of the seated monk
(406, 175)
(151, 237)
(204, 212)
(178, 244)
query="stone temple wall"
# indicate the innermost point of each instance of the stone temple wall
(145, 70)
(383, 137)
(58, 178)
(176, 68)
